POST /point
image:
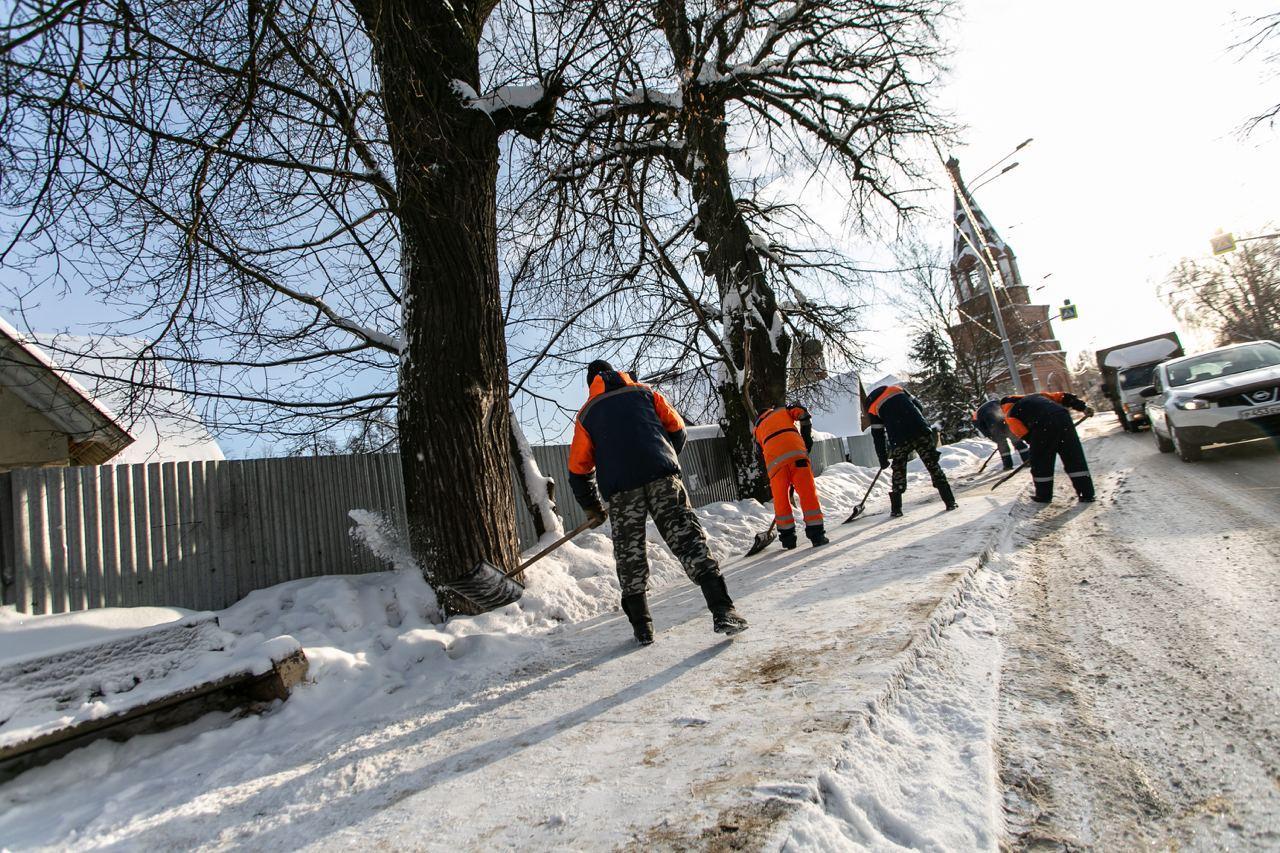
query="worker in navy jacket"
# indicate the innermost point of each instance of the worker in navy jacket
(989, 420)
(899, 428)
(1043, 420)
(625, 444)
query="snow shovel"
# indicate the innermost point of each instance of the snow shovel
(765, 537)
(1014, 472)
(857, 510)
(488, 587)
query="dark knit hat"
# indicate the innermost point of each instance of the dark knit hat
(597, 367)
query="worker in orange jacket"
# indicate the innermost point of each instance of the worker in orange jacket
(785, 437)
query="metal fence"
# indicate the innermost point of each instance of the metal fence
(203, 535)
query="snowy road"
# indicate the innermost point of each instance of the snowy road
(1140, 693)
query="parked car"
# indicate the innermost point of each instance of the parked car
(1228, 394)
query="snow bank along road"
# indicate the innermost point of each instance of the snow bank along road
(493, 731)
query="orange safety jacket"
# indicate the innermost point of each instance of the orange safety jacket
(779, 439)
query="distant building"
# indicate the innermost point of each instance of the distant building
(68, 400)
(1040, 357)
(47, 418)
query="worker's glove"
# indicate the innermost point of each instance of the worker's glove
(596, 515)
(1088, 411)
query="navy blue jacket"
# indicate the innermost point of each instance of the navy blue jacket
(1040, 413)
(627, 435)
(896, 418)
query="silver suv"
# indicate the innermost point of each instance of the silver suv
(1227, 394)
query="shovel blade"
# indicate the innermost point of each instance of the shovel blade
(761, 542)
(857, 511)
(486, 586)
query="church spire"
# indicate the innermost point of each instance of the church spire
(969, 273)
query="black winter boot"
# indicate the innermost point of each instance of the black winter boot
(948, 499)
(817, 534)
(1044, 493)
(724, 619)
(895, 505)
(787, 538)
(637, 609)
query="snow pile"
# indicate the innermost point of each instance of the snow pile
(100, 664)
(382, 665)
(23, 635)
(511, 95)
(919, 771)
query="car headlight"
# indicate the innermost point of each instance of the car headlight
(1192, 405)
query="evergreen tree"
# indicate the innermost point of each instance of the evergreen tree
(938, 387)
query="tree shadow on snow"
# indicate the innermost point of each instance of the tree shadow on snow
(337, 815)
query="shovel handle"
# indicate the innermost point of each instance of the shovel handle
(988, 460)
(867, 494)
(547, 550)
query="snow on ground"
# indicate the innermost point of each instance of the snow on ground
(23, 635)
(406, 726)
(919, 772)
(67, 669)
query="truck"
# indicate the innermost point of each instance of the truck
(1126, 370)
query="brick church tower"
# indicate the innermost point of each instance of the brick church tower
(1041, 359)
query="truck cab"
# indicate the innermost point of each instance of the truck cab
(1127, 368)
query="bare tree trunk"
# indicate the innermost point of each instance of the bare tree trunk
(754, 330)
(453, 411)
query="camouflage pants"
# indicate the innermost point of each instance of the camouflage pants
(666, 500)
(899, 454)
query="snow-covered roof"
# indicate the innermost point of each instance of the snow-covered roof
(1143, 353)
(97, 433)
(163, 422)
(834, 405)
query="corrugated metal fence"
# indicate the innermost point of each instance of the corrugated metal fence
(203, 535)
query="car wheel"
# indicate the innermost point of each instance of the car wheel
(1163, 444)
(1188, 451)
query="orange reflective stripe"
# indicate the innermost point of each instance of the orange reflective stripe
(782, 460)
(1017, 427)
(889, 391)
(671, 420)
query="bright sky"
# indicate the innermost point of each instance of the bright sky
(1135, 108)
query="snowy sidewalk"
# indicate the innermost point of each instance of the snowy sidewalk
(573, 739)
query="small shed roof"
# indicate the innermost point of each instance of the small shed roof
(95, 433)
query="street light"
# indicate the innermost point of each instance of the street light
(1020, 146)
(1008, 168)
